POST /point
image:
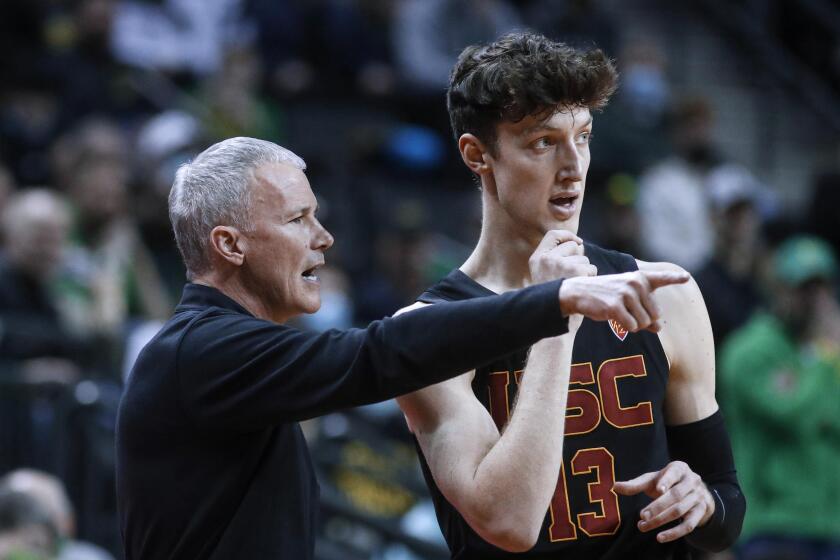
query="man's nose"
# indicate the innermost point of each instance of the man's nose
(323, 238)
(571, 164)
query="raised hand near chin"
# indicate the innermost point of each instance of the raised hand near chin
(559, 255)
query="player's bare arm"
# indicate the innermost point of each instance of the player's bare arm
(502, 483)
(686, 335)
(492, 478)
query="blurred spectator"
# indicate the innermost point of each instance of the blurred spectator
(26, 530)
(644, 92)
(357, 40)
(429, 34)
(92, 81)
(781, 381)
(728, 279)
(288, 42)
(673, 202)
(233, 101)
(48, 493)
(61, 75)
(34, 224)
(401, 255)
(39, 353)
(396, 276)
(29, 120)
(178, 35)
(620, 222)
(95, 137)
(110, 276)
(632, 134)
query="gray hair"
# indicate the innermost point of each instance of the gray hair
(214, 189)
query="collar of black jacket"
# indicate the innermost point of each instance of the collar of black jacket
(200, 296)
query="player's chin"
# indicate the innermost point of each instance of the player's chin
(554, 224)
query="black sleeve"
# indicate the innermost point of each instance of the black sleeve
(240, 372)
(704, 445)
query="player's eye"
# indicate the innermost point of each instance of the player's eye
(297, 220)
(584, 138)
(544, 142)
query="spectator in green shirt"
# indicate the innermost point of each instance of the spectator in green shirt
(781, 384)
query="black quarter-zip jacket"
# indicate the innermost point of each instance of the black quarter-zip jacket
(211, 461)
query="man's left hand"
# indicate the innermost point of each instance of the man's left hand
(678, 493)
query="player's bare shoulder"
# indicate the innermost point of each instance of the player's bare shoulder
(675, 298)
(686, 334)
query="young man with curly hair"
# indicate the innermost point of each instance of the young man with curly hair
(644, 466)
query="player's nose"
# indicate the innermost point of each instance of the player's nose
(570, 164)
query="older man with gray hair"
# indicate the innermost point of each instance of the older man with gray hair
(211, 462)
(33, 340)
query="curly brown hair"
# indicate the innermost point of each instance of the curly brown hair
(522, 74)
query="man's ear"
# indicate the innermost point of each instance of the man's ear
(228, 244)
(475, 155)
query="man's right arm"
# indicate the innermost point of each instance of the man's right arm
(237, 372)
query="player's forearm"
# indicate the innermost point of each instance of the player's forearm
(515, 480)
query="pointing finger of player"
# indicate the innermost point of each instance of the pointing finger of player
(642, 483)
(661, 278)
(689, 523)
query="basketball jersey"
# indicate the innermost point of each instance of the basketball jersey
(614, 430)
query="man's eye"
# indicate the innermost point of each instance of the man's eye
(543, 142)
(585, 138)
(297, 220)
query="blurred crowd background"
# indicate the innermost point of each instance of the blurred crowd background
(720, 152)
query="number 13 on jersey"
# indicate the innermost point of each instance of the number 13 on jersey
(584, 413)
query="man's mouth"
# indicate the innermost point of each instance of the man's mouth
(309, 274)
(564, 200)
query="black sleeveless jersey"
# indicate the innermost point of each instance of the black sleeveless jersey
(615, 430)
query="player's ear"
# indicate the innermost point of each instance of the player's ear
(227, 243)
(474, 153)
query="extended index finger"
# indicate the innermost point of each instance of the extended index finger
(642, 483)
(661, 278)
